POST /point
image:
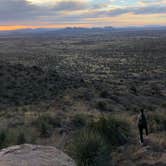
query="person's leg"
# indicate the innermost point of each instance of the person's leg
(141, 134)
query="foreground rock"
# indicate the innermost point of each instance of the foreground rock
(34, 155)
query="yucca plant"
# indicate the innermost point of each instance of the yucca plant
(88, 148)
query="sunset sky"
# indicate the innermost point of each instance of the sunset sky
(19, 14)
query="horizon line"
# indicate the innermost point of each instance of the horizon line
(17, 28)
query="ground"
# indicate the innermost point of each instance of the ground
(52, 84)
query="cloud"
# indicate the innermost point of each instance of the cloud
(15, 10)
(138, 10)
(71, 5)
(147, 10)
(23, 10)
(152, 2)
(42, 12)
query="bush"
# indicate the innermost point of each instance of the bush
(3, 136)
(157, 122)
(89, 149)
(51, 120)
(80, 120)
(93, 145)
(21, 139)
(115, 131)
(105, 94)
(45, 129)
(102, 106)
(46, 123)
(9, 137)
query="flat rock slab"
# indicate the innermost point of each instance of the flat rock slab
(34, 155)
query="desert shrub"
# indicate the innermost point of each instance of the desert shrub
(93, 145)
(10, 137)
(3, 136)
(157, 122)
(6, 139)
(105, 94)
(86, 94)
(88, 148)
(21, 138)
(115, 131)
(102, 106)
(46, 123)
(80, 120)
(52, 120)
(45, 129)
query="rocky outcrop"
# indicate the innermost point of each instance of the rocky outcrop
(34, 155)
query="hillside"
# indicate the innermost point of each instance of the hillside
(85, 90)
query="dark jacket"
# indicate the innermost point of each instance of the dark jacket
(142, 120)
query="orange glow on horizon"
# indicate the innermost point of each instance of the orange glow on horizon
(17, 27)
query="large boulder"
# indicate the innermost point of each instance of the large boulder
(34, 155)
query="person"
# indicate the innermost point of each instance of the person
(142, 125)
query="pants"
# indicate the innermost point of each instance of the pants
(141, 128)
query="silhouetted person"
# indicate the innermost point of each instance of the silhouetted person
(142, 125)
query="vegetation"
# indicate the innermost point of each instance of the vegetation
(21, 139)
(46, 123)
(157, 122)
(54, 86)
(115, 131)
(89, 149)
(80, 120)
(92, 145)
(3, 136)
(52, 120)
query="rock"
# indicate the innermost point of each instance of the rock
(34, 155)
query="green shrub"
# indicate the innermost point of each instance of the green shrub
(10, 137)
(46, 123)
(115, 131)
(80, 120)
(45, 129)
(89, 149)
(3, 136)
(93, 145)
(21, 139)
(51, 120)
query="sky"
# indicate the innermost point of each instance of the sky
(20, 14)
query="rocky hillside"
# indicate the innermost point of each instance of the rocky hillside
(34, 155)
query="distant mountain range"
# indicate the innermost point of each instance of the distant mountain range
(77, 30)
(43, 30)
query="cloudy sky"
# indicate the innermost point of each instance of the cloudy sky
(16, 14)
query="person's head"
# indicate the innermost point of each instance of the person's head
(142, 111)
